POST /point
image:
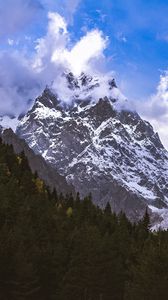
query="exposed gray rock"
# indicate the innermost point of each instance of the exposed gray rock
(112, 153)
(37, 163)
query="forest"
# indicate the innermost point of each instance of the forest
(61, 247)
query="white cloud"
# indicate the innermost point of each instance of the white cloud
(156, 109)
(102, 17)
(54, 47)
(18, 83)
(16, 14)
(23, 77)
(54, 55)
(67, 8)
(10, 42)
(70, 7)
(55, 40)
(121, 37)
(91, 46)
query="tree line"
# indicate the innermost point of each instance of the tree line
(59, 247)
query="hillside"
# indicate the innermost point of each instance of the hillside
(55, 247)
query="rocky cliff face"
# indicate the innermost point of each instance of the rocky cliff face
(99, 146)
(37, 163)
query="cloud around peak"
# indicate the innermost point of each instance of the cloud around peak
(56, 47)
(24, 75)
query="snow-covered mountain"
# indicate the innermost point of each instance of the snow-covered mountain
(99, 145)
(37, 163)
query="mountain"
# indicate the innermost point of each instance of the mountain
(99, 145)
(37, 163)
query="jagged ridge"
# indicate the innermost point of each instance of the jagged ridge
(110, 152)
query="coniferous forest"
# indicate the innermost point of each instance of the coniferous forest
(55, 247)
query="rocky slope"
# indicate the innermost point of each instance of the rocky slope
(99, 146)
(37, 163)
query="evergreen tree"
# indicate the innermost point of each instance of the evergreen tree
(54, 247)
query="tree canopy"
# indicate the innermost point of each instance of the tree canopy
(64, 248)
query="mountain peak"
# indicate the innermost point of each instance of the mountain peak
(101, 149)
(69, 88)
(71, 92)
(48, 98)
(90, 81)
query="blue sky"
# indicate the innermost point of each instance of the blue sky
(137, 31)
(136, 50)
(138, 39)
